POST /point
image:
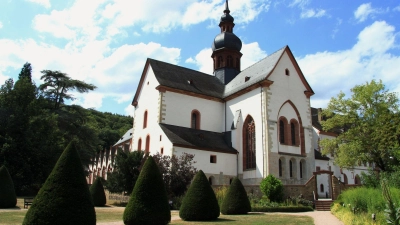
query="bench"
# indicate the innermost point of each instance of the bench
(27, 202)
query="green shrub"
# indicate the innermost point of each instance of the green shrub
(220, 193)
(64, 197)
(199, 203)
(148, 203)
(236, 200)
(8, 199)
(97, 193)
(272, 187)
(282, 209)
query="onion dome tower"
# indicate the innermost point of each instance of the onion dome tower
(226, 49)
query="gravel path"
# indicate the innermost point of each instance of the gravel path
(320, 218)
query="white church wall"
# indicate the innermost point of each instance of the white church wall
(179, 108)
(249, 104)
(149, 101)
(288, 87)
(224, 168)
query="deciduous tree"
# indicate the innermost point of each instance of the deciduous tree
(368, 124)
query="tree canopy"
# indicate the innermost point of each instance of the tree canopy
(368, 127)
(35, 127)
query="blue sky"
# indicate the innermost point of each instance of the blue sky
(338, 44)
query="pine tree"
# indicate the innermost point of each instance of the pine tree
(64, 197)
(199, 203)
(236, 200)
(8, 199)
(97, 192)
(148, 203)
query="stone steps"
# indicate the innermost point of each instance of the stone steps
(323, 205)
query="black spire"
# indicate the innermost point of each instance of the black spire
(226, 49)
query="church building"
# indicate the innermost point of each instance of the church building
(245, 122)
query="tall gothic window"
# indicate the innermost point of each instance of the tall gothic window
(280, 168)
(147, 149)
(145, 119)
(293, 133)
(195, 120)
(249, 144)
(139, 147)
(282, 131)
(301, 169)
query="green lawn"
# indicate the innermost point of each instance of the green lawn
(255, 218)
(113, 214)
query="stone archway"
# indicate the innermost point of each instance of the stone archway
(325, 177)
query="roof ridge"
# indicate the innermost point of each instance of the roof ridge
(151, 59)
(259, 61)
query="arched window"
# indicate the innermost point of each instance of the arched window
(195, 120)
(139, 146)
(357, 179)
(220, 61)
(345, 180)
(290, 168)
(287, 73)
(294, 132)
(281, 131)
(230, 61)
(280, 168)
(147, 149)
(162, 151)
(145, 119)
(301, 169)
(249, 144)
(211, 180)
(321, 188)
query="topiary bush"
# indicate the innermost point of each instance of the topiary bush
(199, 203)
(272, 187)
(64, 197)
(236, 200)
(8, 199)
(97, 193)
(148, 203)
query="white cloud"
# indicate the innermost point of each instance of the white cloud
(163, 16)
(45, 3)
(309, 13)
(114, 71)
(369, 58)
(130, 110)
(397, 8)
(364, 11)
(252, 53)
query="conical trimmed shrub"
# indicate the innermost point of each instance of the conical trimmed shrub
(236, 200)
(97, 192)
(64, 197)
(148, 203)
(8, 199)
(199, 203)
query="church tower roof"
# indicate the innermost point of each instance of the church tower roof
(226, 49)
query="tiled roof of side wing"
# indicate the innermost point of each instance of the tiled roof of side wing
(193, 138)
(127, 136)
(178, 77)
(256, 73)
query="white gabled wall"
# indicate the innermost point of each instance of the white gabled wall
(178, 109)
(149, 99)
(288, 88)
(250, 105)
(222, 170)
